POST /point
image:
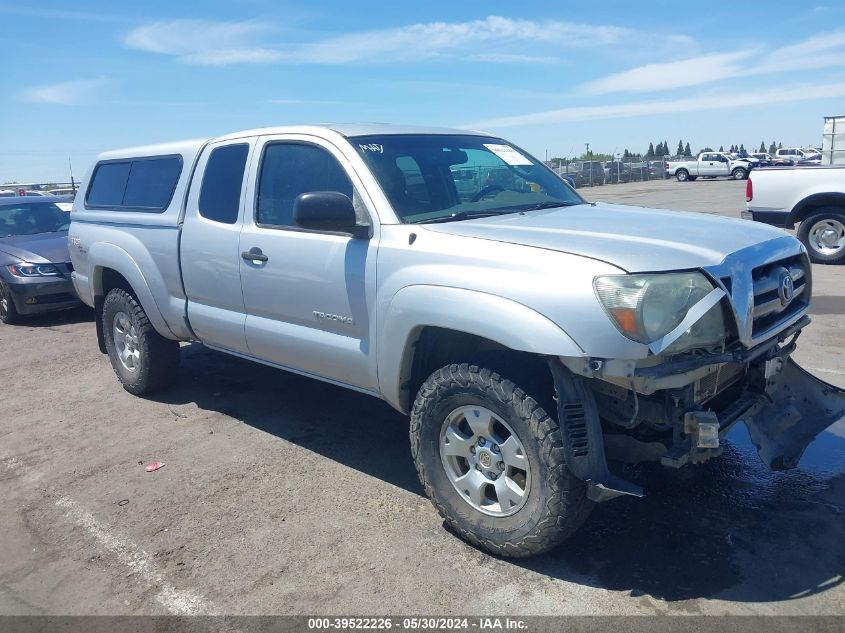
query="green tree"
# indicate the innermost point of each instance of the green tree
(762, 149)
(706, 149)
(780, 146)
(687, 150)
(650, 152)
(680, 151)
(773, 148)
(721, 148)
(742, 148)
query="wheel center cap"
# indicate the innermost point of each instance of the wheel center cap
(485, 459)
(828, 237)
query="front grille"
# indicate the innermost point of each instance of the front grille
(771, 307)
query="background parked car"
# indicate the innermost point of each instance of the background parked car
(588, 173)
(34, 260)
(793, 155)
(63, 192)
(618, 172)
(765, 159)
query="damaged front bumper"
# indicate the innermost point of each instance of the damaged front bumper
(783, 406)
(798, 406)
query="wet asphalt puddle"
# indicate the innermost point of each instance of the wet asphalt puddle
(730, 529)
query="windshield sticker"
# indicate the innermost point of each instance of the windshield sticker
(372, 147)
(508, 154)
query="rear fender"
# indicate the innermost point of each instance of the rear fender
(800, 407)
(110, 256)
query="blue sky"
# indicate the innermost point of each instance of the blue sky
(85, 77)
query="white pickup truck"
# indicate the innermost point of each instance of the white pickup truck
(709, 165)
(533, 338)
(812, 197)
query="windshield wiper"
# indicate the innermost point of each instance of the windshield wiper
(548, 205)
(465, 215)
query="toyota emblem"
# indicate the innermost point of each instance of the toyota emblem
(786, 289)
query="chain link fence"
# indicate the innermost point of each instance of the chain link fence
(593, 173)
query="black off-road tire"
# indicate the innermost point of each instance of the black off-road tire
(557, 503)
(836, 214)
(159, 356)
(8, 312)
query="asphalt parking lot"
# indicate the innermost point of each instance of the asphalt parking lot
(282, 495)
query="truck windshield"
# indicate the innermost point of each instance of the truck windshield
(444, 177)
(31, 218)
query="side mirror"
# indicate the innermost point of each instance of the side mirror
(327, 211)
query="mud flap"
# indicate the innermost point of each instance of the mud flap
(800, 407)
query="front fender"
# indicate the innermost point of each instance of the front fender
(106, 255)
(496, 318)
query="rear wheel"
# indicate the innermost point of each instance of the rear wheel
(8, 312)
(823, 233)
(682, 175)
(491, 461)
(143, 360)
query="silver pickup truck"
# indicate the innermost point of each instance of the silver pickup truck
(533, 338)
(710, 165)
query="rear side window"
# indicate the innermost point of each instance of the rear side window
(108, 184)
(220, 194)
(142, 184)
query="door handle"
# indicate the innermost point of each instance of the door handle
(254, 255)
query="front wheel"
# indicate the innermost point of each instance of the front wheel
(739, 174)
(8, 312)
(143, 359)
(823, 233)
(491, 460)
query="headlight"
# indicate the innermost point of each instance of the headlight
(33, 270)
(646, 308)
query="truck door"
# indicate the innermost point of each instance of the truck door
(308, 294)
(209, 252)
(707, 165)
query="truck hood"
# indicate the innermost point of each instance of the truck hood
(37, 249)
(632, 238)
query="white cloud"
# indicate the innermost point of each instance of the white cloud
(193, 37)
(732, 100)
(492, 39)
(823, 50)
(65, 92)
(58, 14)
(677, 74)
